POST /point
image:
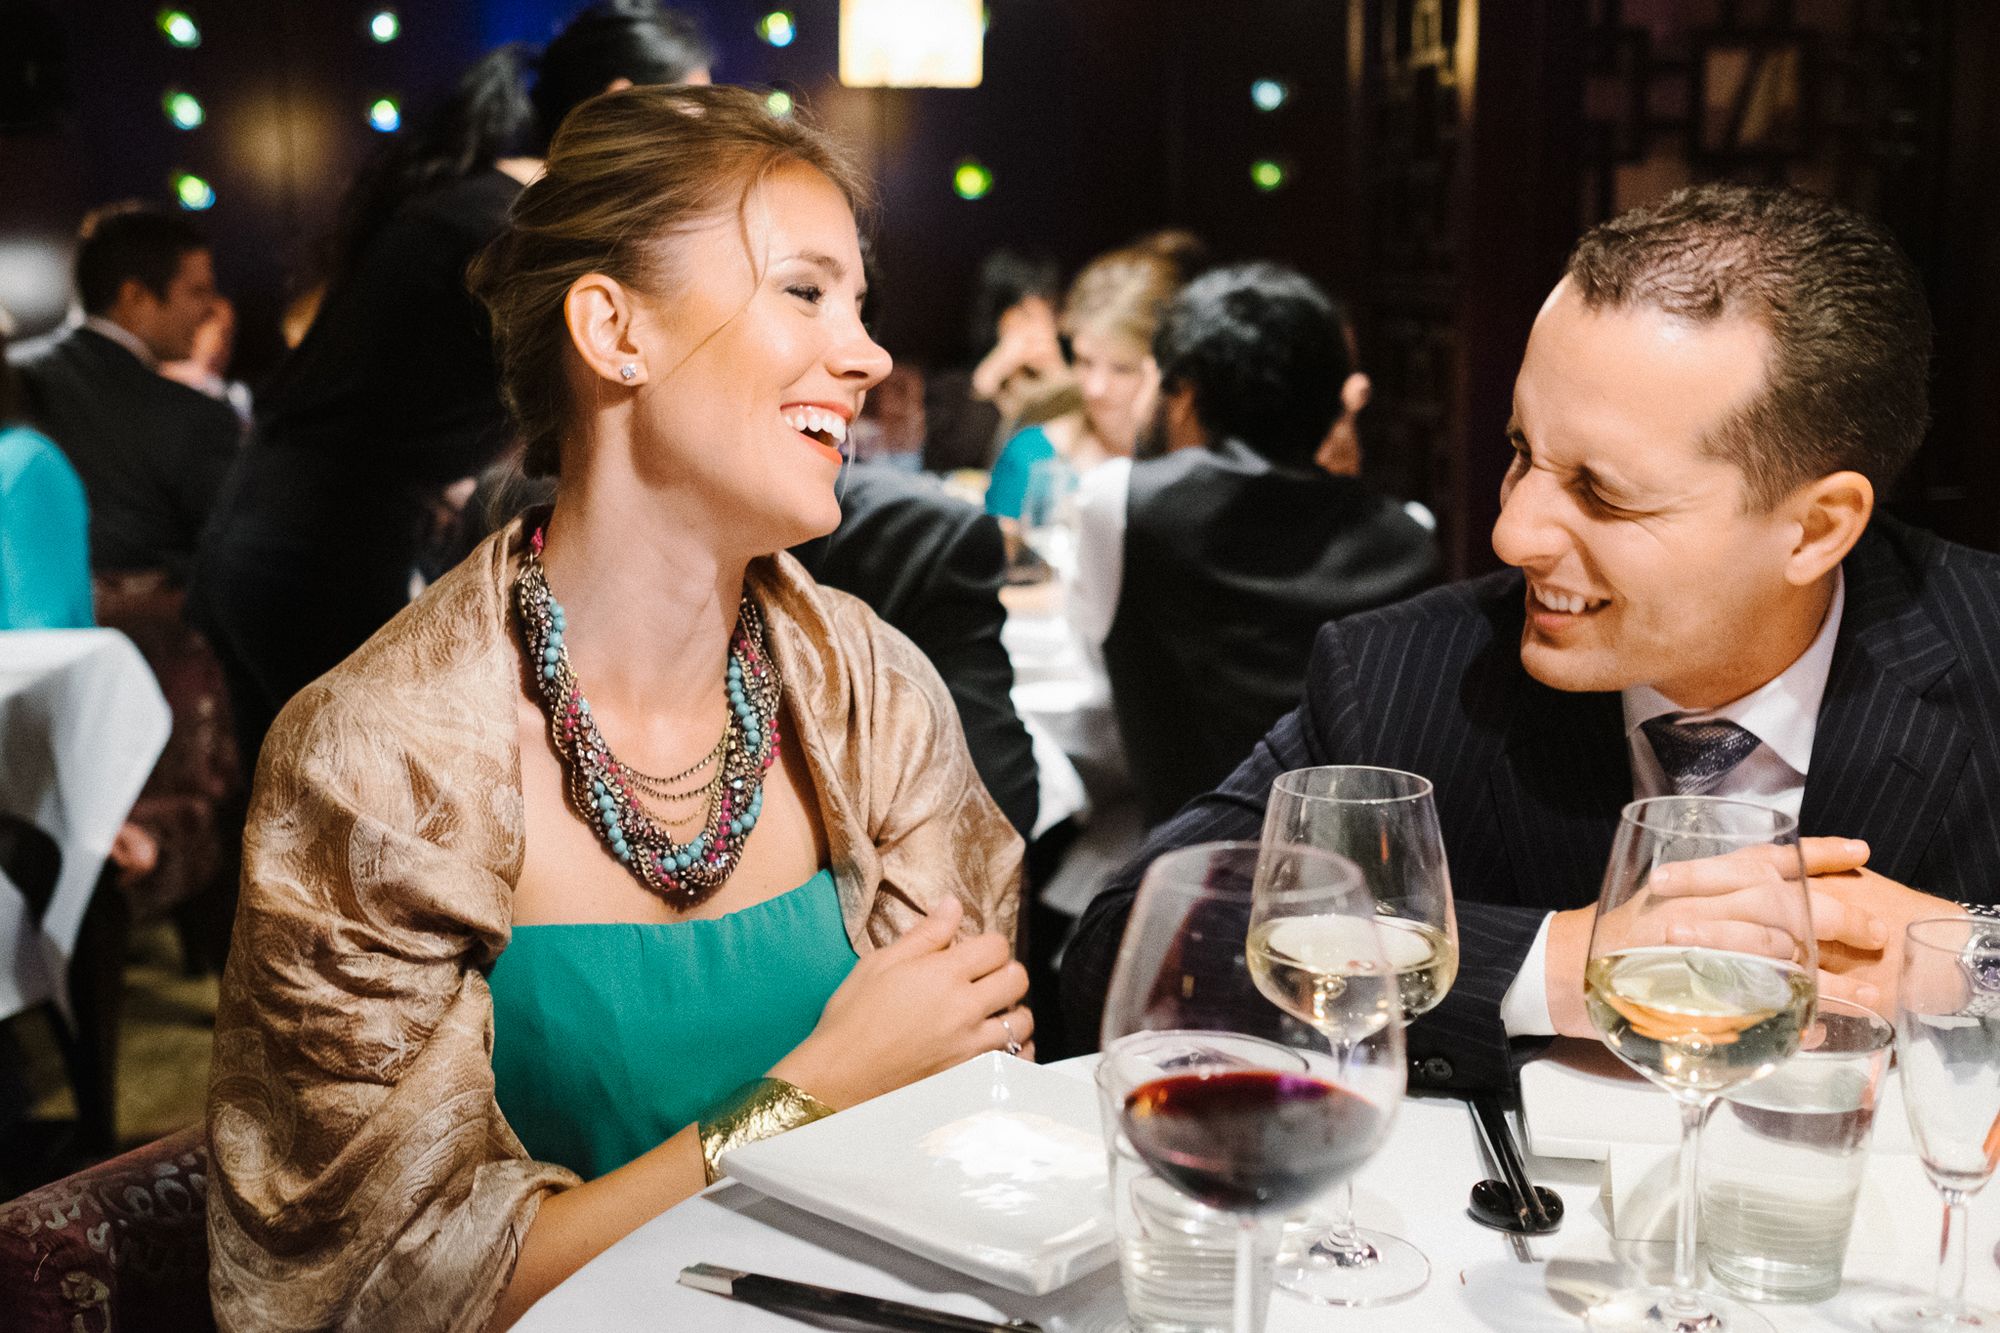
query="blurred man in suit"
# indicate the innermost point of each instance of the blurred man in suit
(152, 453)
(1703, 600)
(932, 567)
(1205, 568)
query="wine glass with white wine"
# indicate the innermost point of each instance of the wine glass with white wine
(1386, 823)
(1702, 976)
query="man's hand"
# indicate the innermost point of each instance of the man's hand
(1868, 976)
(1747, 902)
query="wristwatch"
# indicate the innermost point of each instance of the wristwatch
(1980, 961)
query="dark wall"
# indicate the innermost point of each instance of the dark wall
(1099, 118)
(285, 87)
(1442, 155)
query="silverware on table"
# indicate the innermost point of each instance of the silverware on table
(783, 1296)
(1514, 1203)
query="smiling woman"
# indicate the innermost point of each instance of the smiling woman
(502, 994)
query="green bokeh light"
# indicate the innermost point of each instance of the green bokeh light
(194, 193)
(1267, 175)
(184, 110)
(777, 28)
(385, 26)
(972, 179)
(178, 27)
(385, 115)
(780, 102)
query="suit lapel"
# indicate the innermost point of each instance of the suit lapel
(1885, 757)
(1558, 786)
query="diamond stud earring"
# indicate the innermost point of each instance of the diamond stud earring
(628, 372)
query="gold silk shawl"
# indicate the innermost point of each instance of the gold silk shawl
(362, 1174)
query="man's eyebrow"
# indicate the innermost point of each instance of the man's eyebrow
(1605, 483)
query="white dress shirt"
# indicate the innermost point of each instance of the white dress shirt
(1783, 715)
(1090, 602)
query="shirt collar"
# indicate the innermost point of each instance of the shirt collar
(1783, 713)
(124, 337)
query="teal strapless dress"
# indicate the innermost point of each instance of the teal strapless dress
(610, 1038)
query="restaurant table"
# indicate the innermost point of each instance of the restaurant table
(1416, 1188)
(81, 723)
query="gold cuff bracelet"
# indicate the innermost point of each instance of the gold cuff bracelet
(755, 1111)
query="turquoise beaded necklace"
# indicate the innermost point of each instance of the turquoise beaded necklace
(606, 792)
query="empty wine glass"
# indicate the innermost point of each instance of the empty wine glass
(1216, 1079)
(1948, 1057)
(1384, 821)
(1702, 976)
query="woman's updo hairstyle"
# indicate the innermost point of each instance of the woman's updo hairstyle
(627, 172)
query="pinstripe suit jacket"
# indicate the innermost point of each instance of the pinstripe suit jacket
(1530, 779)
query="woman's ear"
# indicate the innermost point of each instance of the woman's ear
(600, 313)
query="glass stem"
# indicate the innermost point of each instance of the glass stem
(1693, 1113)
(1244, 1315)
(1952, 1254)
(1340, 1235)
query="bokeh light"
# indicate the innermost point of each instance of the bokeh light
(1267, 175)
(184, 110)
(385, 115)
(780, 102)
(179, 28)
(972, 179)
(385, 26)
(194, 193)
(1269, 94)
(777, 28)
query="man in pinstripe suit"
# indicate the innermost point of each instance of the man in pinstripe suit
(1702, 599)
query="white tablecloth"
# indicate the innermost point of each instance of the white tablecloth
(81, 723)
(1066, 702)
(1480, 1279)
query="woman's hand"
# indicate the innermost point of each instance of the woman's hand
(910, 1009)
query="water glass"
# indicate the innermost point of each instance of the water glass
(1782, 1161)
(1177, 1257)
(1048, 513)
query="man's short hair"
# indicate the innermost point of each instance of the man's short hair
(132, 240)
(1265, 352)
(1847, 385)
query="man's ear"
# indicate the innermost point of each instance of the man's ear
(1830, 515)
(134, 295)
(1183, 423)
(599, 312)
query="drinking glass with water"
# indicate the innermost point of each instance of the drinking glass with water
(1782, 1160)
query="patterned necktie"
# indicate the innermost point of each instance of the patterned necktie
(1697, 755)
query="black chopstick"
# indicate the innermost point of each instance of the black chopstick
(784, 1296)
(1500, 1142)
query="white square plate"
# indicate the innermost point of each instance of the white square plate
(995, 1169)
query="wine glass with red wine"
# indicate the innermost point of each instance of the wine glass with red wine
(1229, 1099)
